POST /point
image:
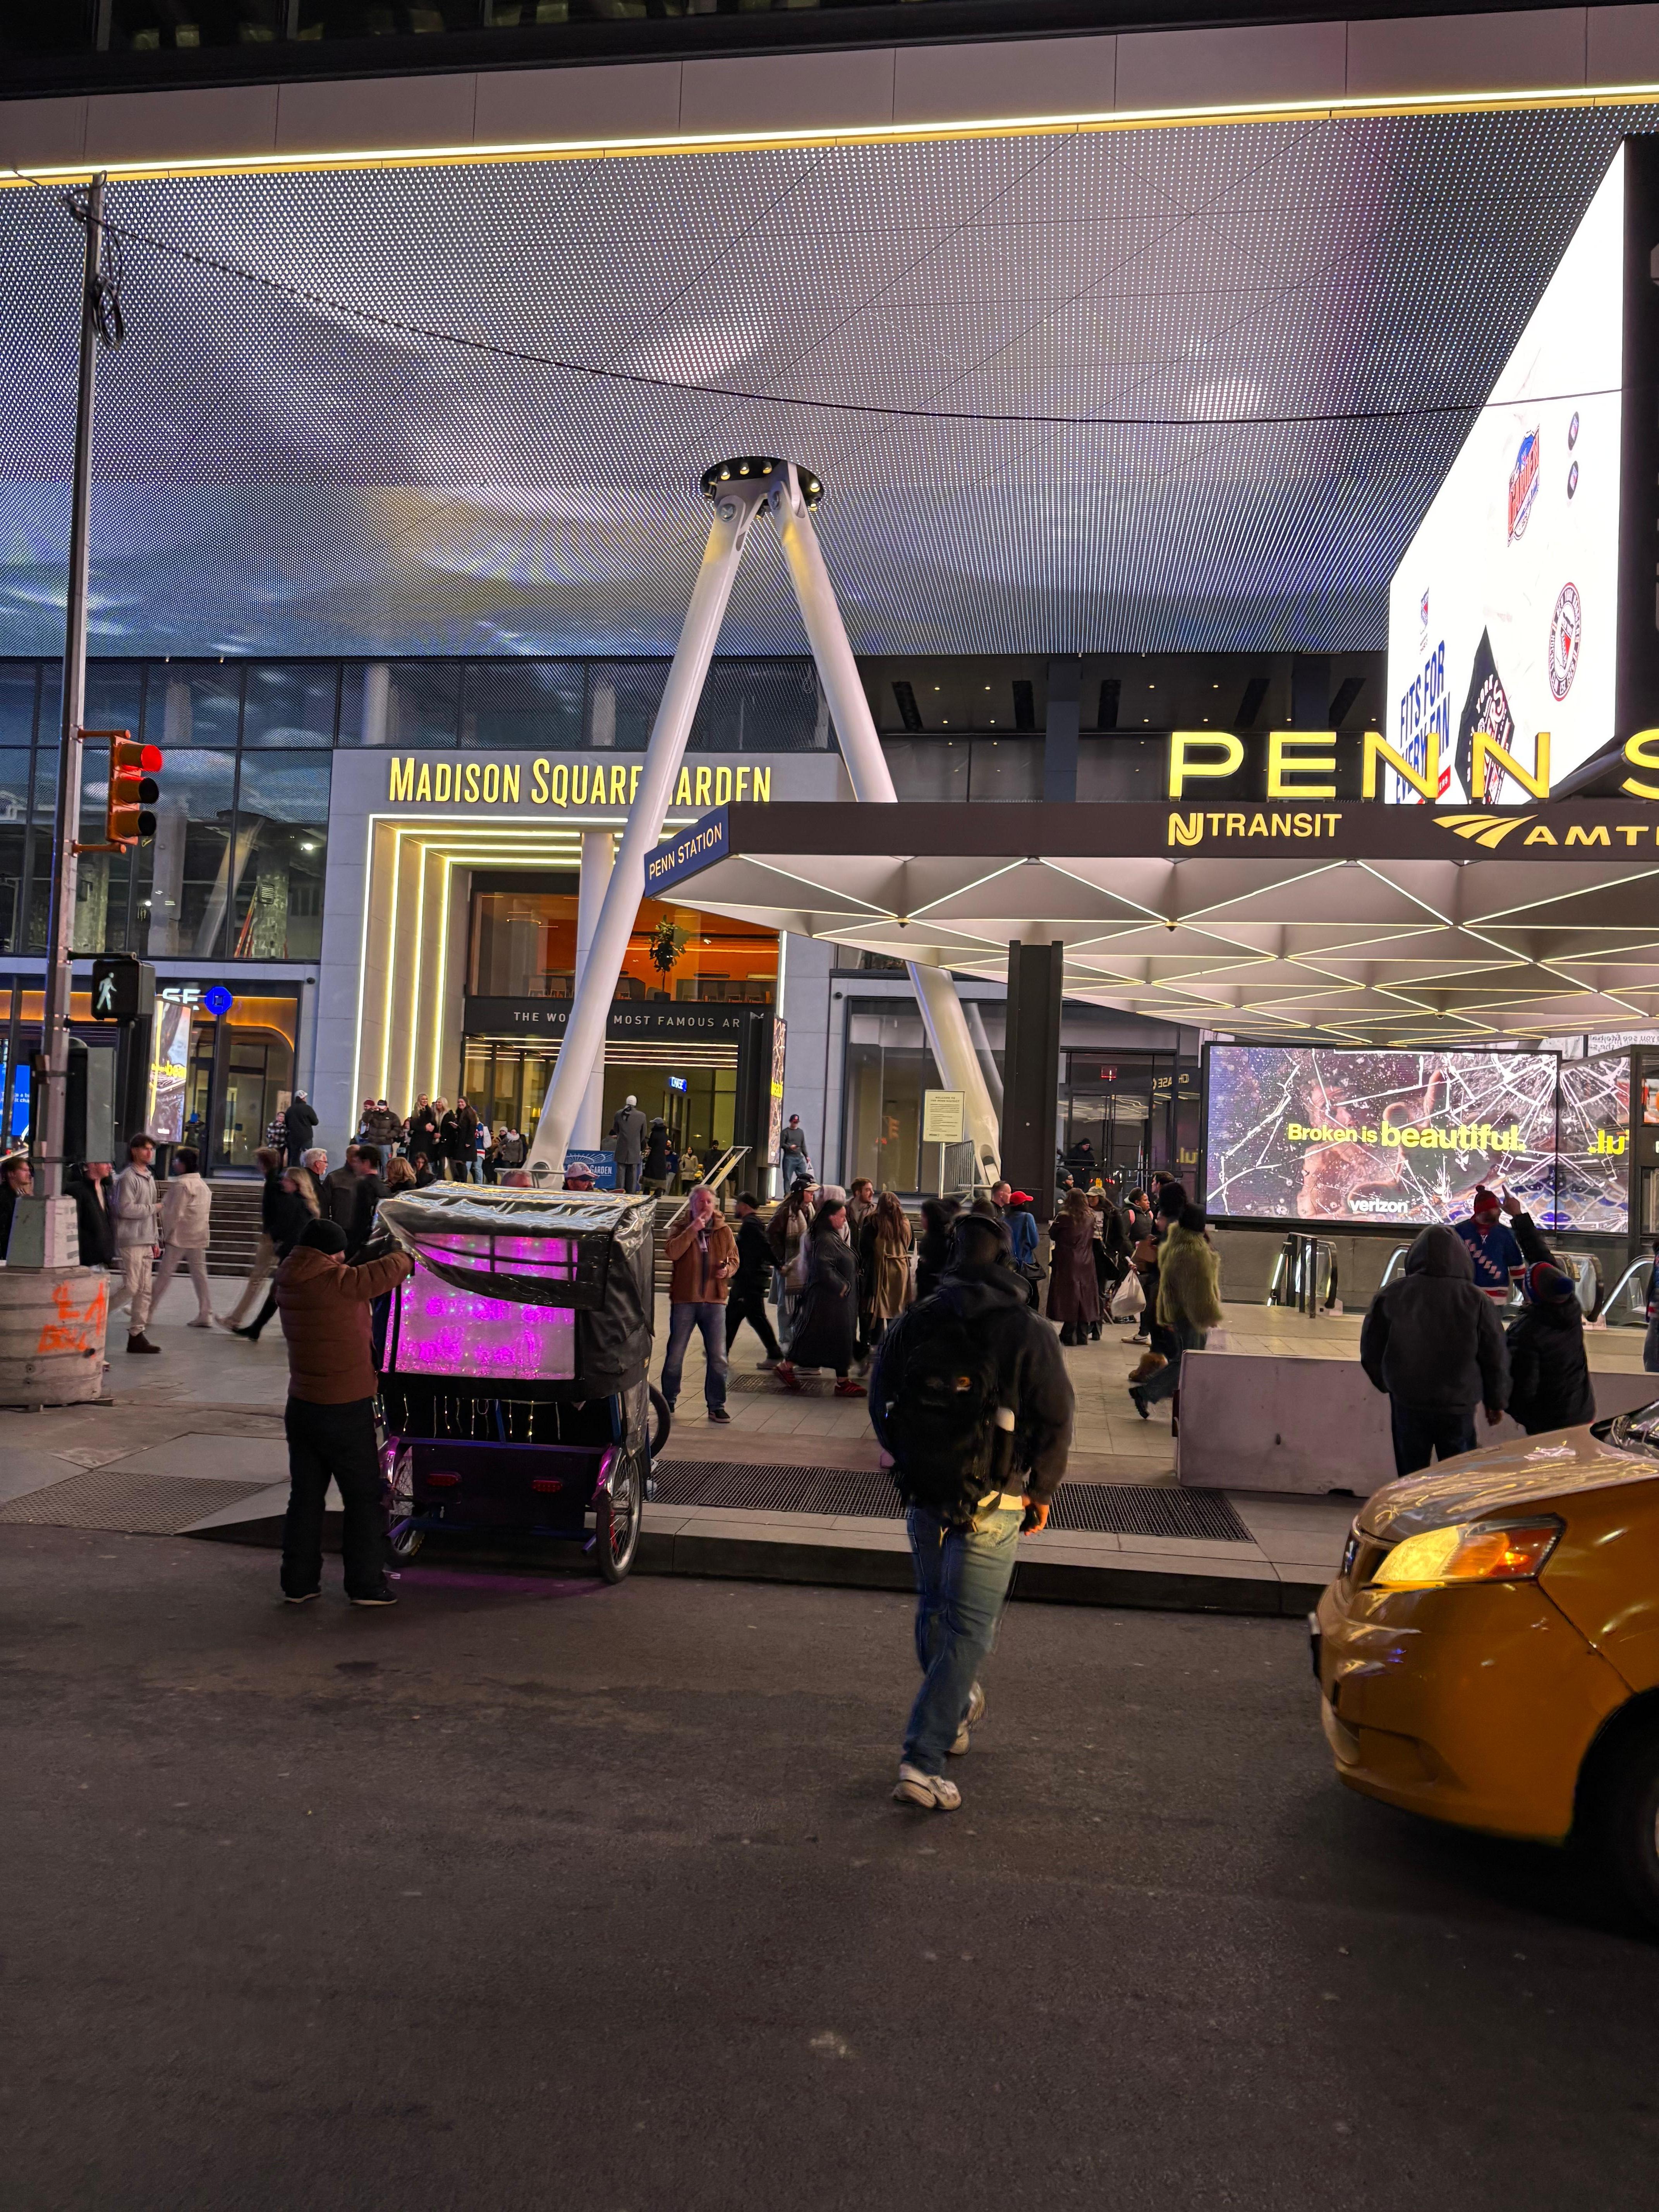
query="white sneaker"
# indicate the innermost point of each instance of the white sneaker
(931, 1791)
(201, 1321)
(971, 1719)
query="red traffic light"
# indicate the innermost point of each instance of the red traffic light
(132, 766)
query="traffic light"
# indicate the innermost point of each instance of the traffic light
(132, 789)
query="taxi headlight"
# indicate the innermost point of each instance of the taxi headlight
(1471, 1552)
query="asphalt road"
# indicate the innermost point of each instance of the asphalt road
(539, 1894)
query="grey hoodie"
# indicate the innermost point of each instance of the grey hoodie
(1432, 1339)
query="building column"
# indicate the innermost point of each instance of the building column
(1031, 1067)
(377, 700)
(1059, 739)
(598, 857)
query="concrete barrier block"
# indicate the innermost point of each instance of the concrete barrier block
(1261, 1421)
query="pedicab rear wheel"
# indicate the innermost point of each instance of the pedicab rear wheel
(662, 1421)
(618, 1512)
(404, 1541)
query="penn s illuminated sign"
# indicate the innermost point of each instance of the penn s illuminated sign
(1301, 764)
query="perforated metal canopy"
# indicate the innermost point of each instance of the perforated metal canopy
(282, 476)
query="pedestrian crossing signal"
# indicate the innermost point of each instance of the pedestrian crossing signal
(133, 790)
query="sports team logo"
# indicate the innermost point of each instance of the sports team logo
(1565, 638)
(1523, 485)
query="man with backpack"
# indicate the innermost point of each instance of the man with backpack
(970, 1398)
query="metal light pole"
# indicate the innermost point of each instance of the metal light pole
(57, 1245)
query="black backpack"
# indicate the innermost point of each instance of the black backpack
(948, 1450)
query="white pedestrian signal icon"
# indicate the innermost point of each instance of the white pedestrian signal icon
(104, 998)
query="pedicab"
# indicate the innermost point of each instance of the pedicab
(514, 1369)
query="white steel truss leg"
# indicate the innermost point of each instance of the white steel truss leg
(736, 506)
(736, 502)
(598, 861)
(872, 783)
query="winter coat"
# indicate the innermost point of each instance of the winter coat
(783, 1234)
(370, 1189)
(655, 1168)
(286, 1219)
(338, 1192)
(754, 1256)
(299, 1125)
(184, 1204)
(458, 1135)
(1074, 1291)
(273, 1204)
(627, 1128)
(933, 1245)
(1550, 1385)
(423, 1126)
(884, 1271)
(1032, 1370)
(92, 1219)
(1188, 1281)
(826, 1320)
(1432, 1339)
(1022, 1236)
(703, 1259)
(323, 1306)
(510, 1148)
(132, 1200)
(381, 1125)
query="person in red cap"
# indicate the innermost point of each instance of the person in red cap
(1498, 1259)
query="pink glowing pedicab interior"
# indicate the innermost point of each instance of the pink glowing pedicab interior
(443, 1329)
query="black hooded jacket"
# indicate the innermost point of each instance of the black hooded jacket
(1432, 1339)
(1550, 1385)
(1034, 1381)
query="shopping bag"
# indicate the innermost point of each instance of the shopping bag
(1128, 1298)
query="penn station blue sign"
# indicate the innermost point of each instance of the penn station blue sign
(687, 855)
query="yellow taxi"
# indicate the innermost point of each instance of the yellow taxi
(1489, 1653)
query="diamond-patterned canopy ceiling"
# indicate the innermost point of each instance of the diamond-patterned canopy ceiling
(280, 476)
(1374, 951)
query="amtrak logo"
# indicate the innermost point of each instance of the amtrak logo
(1487, 830)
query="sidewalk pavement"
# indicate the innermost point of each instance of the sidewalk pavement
(192, 1443)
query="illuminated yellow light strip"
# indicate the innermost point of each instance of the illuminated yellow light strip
(878, 134)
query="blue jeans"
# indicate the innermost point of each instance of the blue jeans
(710, 1318)
(962, 1580)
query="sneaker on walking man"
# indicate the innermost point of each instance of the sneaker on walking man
(970, 1397)
(138, 1240)
(329, 1417)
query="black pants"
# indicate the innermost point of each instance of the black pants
(751, 1306)
(628, 1175)
(1424, 1432)
(337, 1441)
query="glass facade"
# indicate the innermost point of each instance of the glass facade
(523, 945)
(236, 869)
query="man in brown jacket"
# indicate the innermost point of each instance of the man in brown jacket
(330, 1415)
(704, 1255)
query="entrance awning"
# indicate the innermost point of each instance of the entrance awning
(1398, 925)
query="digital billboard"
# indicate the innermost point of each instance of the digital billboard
(1594, 1145)
(1300, 1133)
(1503, 615)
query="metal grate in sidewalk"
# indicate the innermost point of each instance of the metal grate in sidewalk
(1108, 1508)
(130, 1504)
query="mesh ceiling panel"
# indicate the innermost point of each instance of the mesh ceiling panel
(280, 476)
